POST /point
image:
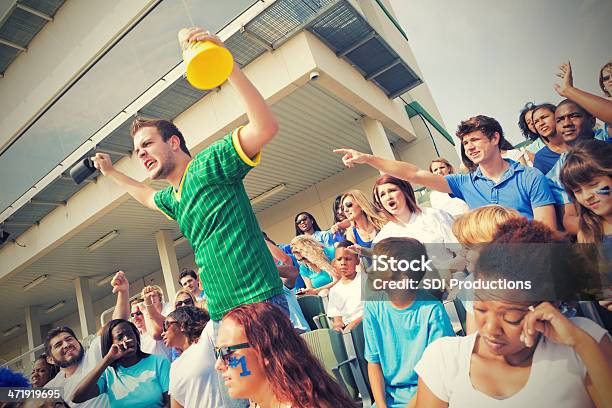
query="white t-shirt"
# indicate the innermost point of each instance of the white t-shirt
(556, 378)
(345, 300)
(193, 380)
(452, 205)
(92, 357)
(431, 226)
(151, 346)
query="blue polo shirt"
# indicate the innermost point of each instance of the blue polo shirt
(521, 188)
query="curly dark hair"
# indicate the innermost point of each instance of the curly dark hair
(294, 373)
(191, 321)
(525, 250)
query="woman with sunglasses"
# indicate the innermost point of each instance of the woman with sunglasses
(263, 359)
(525, 353)
(183, 298)
(365, 220)
(305, 224)
(129, 377)
(191, 385)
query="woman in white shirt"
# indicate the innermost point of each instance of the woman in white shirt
(193, 380)
(442, 201)
(430, 226)
(525, 353)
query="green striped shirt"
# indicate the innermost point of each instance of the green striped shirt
(214, 213)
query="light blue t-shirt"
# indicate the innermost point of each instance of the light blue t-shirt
(396, 339)
(522, 188)
(140, 385)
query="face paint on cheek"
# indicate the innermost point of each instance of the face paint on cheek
(234, 362)
(604, 191)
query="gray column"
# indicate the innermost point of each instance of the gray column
(32, 314)
(85, 306)
(377, 138)
(169, 263)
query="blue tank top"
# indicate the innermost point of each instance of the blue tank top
(360, 242)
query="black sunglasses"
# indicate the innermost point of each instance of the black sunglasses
(138, 313)
(167, 324)
(347, 204)
(186, 302)
(301, 220)
(226, 352)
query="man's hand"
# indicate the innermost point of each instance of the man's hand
(567, 81)
(351, 157)
(150, 295)
(120, 283)
(189, 36)
(102, 162)
(338, 324)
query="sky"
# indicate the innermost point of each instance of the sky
(491, 57)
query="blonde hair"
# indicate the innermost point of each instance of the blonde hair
(373, 216)
(480, 225)
(312, 251)
(442, 160)
(184, 292)
(157, 289)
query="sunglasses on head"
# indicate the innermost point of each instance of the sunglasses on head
(185, 302)
(135, 314)
(167, 324)
(226, 352)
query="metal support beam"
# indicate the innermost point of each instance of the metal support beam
(33, 329)
(377, 138)
(35, 12)
(363, 40)
(85, 306)
(46, 202)
(169, 263)
(12, 45)
(383, 69)
(255, 38)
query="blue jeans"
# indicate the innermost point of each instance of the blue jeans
(281, 302)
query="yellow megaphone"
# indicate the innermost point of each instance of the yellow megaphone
(207, 64)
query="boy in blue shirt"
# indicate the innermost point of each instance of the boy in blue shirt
(495, 180)
(398, 325)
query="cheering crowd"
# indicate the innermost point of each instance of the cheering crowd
(232, 336)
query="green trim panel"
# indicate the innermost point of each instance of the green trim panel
(414, 108)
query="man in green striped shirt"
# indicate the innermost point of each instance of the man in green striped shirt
(208, 199)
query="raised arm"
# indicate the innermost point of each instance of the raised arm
(154, 320)
(402, 170)
(121, 287)
(262, 126)
(141, 192)
(599, 107)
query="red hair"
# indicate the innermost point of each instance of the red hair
(294, 374)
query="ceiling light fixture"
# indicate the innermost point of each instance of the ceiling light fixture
(56, 306)
(264, 196)
(36, 282)
(11, 330)
(103, 241)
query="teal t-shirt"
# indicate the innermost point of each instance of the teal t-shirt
(396, 339)
(140, 385)
(322, 278)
